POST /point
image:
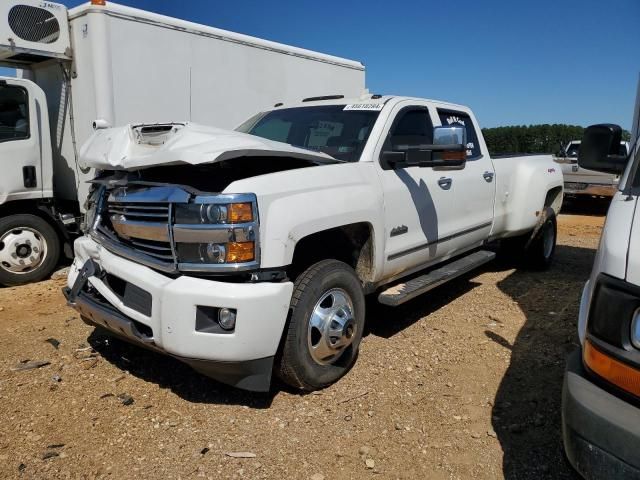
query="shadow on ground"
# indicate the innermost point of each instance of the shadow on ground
(526, 414)
(167, 372)
(527, 407)
(591, 206)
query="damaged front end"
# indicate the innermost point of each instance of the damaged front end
(157, 201)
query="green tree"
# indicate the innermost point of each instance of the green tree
(533, 138)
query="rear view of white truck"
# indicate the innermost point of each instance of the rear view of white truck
(100, 65)
(579, 181)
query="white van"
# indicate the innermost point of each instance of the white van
(601, 393)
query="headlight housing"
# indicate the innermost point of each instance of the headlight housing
(613, 307)
(635, 329)
(611, 349)
(92, 206)
(213, 213)
(214, 232)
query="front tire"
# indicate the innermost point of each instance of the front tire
(29, 249)
(325, 327)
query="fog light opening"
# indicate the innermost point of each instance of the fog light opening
(227, 318)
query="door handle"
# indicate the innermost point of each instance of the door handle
(488, 176)
(445, 183)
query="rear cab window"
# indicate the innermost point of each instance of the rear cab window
(14, 113)
(454, 117)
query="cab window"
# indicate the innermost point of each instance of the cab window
(14, 113)
(411, 128)
(453, 117)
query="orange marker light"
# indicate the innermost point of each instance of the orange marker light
(240, 213)
(101, 3)
(618, 373)
(454, 155)
(239, 252)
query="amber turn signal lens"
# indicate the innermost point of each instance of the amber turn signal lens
(240, 213)
(239, 252)
(454, 155)
(618, 373)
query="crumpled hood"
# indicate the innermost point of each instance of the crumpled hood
(138, 146)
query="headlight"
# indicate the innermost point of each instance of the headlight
(635, 329)
(216, 253)
(213, 213)
(614, 305)
(212, 233)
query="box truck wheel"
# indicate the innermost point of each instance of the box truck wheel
(325, 327)
(29, 249)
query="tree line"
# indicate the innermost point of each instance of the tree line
(533, 138)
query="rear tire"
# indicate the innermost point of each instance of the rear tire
(321, 340)
(29, 249)
(539, 254)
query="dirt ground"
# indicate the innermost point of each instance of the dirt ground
(463, 382)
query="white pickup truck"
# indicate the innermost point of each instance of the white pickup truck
(581, 181)
(248, 252)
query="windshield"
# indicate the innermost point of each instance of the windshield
(329, 129)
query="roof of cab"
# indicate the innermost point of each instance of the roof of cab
(366, 98)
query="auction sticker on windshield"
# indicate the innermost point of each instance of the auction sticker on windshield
(373, 107)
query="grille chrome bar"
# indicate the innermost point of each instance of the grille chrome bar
(158, 232)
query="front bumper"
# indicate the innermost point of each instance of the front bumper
(167, 323)
(591, 189)
(601, 432)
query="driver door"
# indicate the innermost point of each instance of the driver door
(419, 202)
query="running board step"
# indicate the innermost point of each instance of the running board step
(403, 292)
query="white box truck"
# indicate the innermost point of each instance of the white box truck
(100, 65)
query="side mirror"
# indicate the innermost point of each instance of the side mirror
(449, 149)
(450, 135)
(600, 149)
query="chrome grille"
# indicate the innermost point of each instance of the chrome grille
(142, 227)
(157, 212)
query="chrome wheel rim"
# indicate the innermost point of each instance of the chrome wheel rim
(22, 250)
(548, 240)
(332, 326)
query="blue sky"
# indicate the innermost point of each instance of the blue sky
(514, 62)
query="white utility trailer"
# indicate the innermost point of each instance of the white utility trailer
(102, 64)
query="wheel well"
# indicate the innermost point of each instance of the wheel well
(554, 199)
(34, 208)
(351, 244)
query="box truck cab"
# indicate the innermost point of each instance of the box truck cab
(601, 394)
(100, 65)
